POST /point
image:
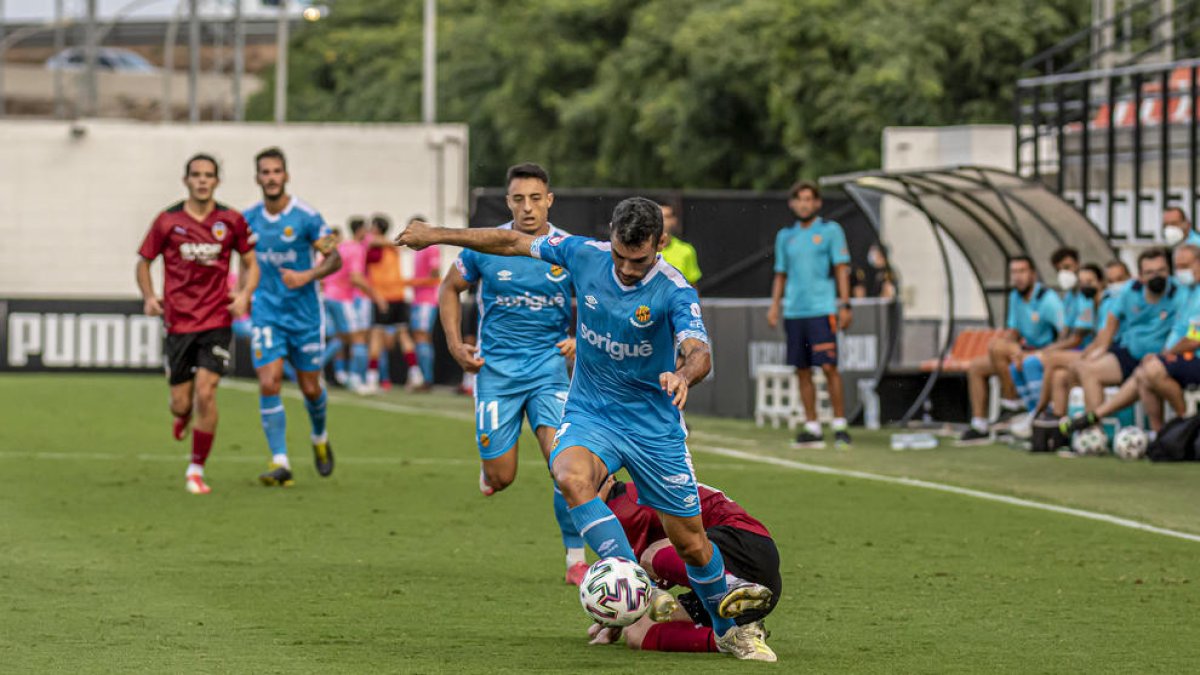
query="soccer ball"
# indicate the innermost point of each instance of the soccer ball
(615, 592)
(1090, 441)
(1131, 443)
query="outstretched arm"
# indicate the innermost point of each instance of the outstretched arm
(697, 361)
(419, 235)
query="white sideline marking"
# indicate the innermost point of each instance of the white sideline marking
(738, 454)
(942, 487)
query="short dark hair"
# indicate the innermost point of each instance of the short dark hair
(527, 170)
(356, 223)
(637, 220)
(1118, 263)
(1062, 254)
(1022, 258)
(1151, 254)
(380, 222)
(1094, 269)
(201, 156)
(1179, 209)
(272, 152)
(802, 185)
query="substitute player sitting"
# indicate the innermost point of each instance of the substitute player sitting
(624, 408)
(196, 237)
(750, 553)
(524, 346)
(286, 315)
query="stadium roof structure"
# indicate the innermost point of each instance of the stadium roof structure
(992, 215)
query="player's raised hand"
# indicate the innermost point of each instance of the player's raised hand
(566, 347)
(676, 386)
(239, 304)
(152, 306)
(467, 357)
(417, 235)
(294, 279)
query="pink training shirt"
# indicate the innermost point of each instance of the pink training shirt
(354, 259)
(426, 262)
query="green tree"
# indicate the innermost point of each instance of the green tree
(675, 93)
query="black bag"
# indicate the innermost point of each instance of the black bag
(1177, 441)
(1046, 436)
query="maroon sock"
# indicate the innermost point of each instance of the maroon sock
(201, 445)
(410, 359)
(669, 566)
(373, 364)
(679, 636)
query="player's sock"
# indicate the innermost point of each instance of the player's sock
(281, 460)
(679, 636)
(274, 423)
(979, 424)
(1011, 404)
(316, 413)
(1019, 381)
(813, 428)
(201, 445)
(359, 355)
(339, 367)
(382, 366)
(425, 360)
(602, 531)
(839, 424)
(670, 567)
(410, 359)
(1034, 371)
(709, 583)
(570, 535)
(332, 349)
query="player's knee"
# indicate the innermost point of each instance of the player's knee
(180, 407)
(270, 385)
(576, 488)
(830, 370)
(499, 478)
(311, 390)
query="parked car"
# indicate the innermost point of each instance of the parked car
(107, 58)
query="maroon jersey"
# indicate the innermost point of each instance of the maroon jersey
(196, 262)
(643, 527)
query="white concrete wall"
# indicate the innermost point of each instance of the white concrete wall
(74, 209)
(907, 232)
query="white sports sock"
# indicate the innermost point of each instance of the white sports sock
(1010, 404)
(323, 438)
(813, 428)
(979, 424)
(281, 459)
(575, 555)
(194, 470)
(839, 424)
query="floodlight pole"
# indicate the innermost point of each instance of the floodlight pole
(281, 63)
(193, 60)
(60, 43)
(429, 65)
(89, 108)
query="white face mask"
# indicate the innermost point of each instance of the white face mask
(1173, 235)
(1185, 277)
(1067, 279)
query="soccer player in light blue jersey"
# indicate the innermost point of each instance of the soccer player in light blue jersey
(523, 347)
(625, 405)
(287, 316)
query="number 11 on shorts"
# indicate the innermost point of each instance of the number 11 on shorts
(485, 408)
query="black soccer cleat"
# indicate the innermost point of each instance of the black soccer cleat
(841, 439)
(973, 436)
(806, 439)
(323, 457)
(1078, 423)
(277, 476)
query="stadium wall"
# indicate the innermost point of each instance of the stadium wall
(77, 198)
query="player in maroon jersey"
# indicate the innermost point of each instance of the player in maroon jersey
(195, 237)
(749, 551)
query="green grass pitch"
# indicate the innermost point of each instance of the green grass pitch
(397, 564)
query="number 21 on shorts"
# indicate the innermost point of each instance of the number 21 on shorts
(260, 337)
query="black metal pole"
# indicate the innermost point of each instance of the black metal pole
(1111, 151)
(1137, 156)
(1059, 123)
(1085, 154)
(1164, 141)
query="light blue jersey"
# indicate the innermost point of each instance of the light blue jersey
(1193, 238)
(1108, 305)
(1144, 325)
(1080, 316)
(285, 241)
(1186, 306)
(524, 312)
(808, 256)
(626, 337)
(1039, 319)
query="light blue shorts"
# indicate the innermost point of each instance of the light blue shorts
(498, 417)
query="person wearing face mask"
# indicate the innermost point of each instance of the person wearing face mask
(875, 279)
(1137, 325)
(1035, 320)
(1093, 291)
(1117, 277)
(1177, 228)
(1162, 376)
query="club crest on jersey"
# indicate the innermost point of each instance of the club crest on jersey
(556, 274)
(289, 234)
(504, 275)
(816, 238)
(641, 317)
(219, 230)
(485, 440)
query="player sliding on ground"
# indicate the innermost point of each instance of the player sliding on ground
(286, 315)
(195, 237)
(749, 552)
(524, 346)
(625, 405)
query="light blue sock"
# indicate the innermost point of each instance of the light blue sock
(1018, 378)
(384, 373)
(316, 413)
(602, 531)
(709, 584)
(274, 422)
(1034, 372)
(333, 350)
(339, 365)
(570, 534)
(359, 358)
(425, 360)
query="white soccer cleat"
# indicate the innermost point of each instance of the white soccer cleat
(195, 484)
(746, 643)
(415, 378)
